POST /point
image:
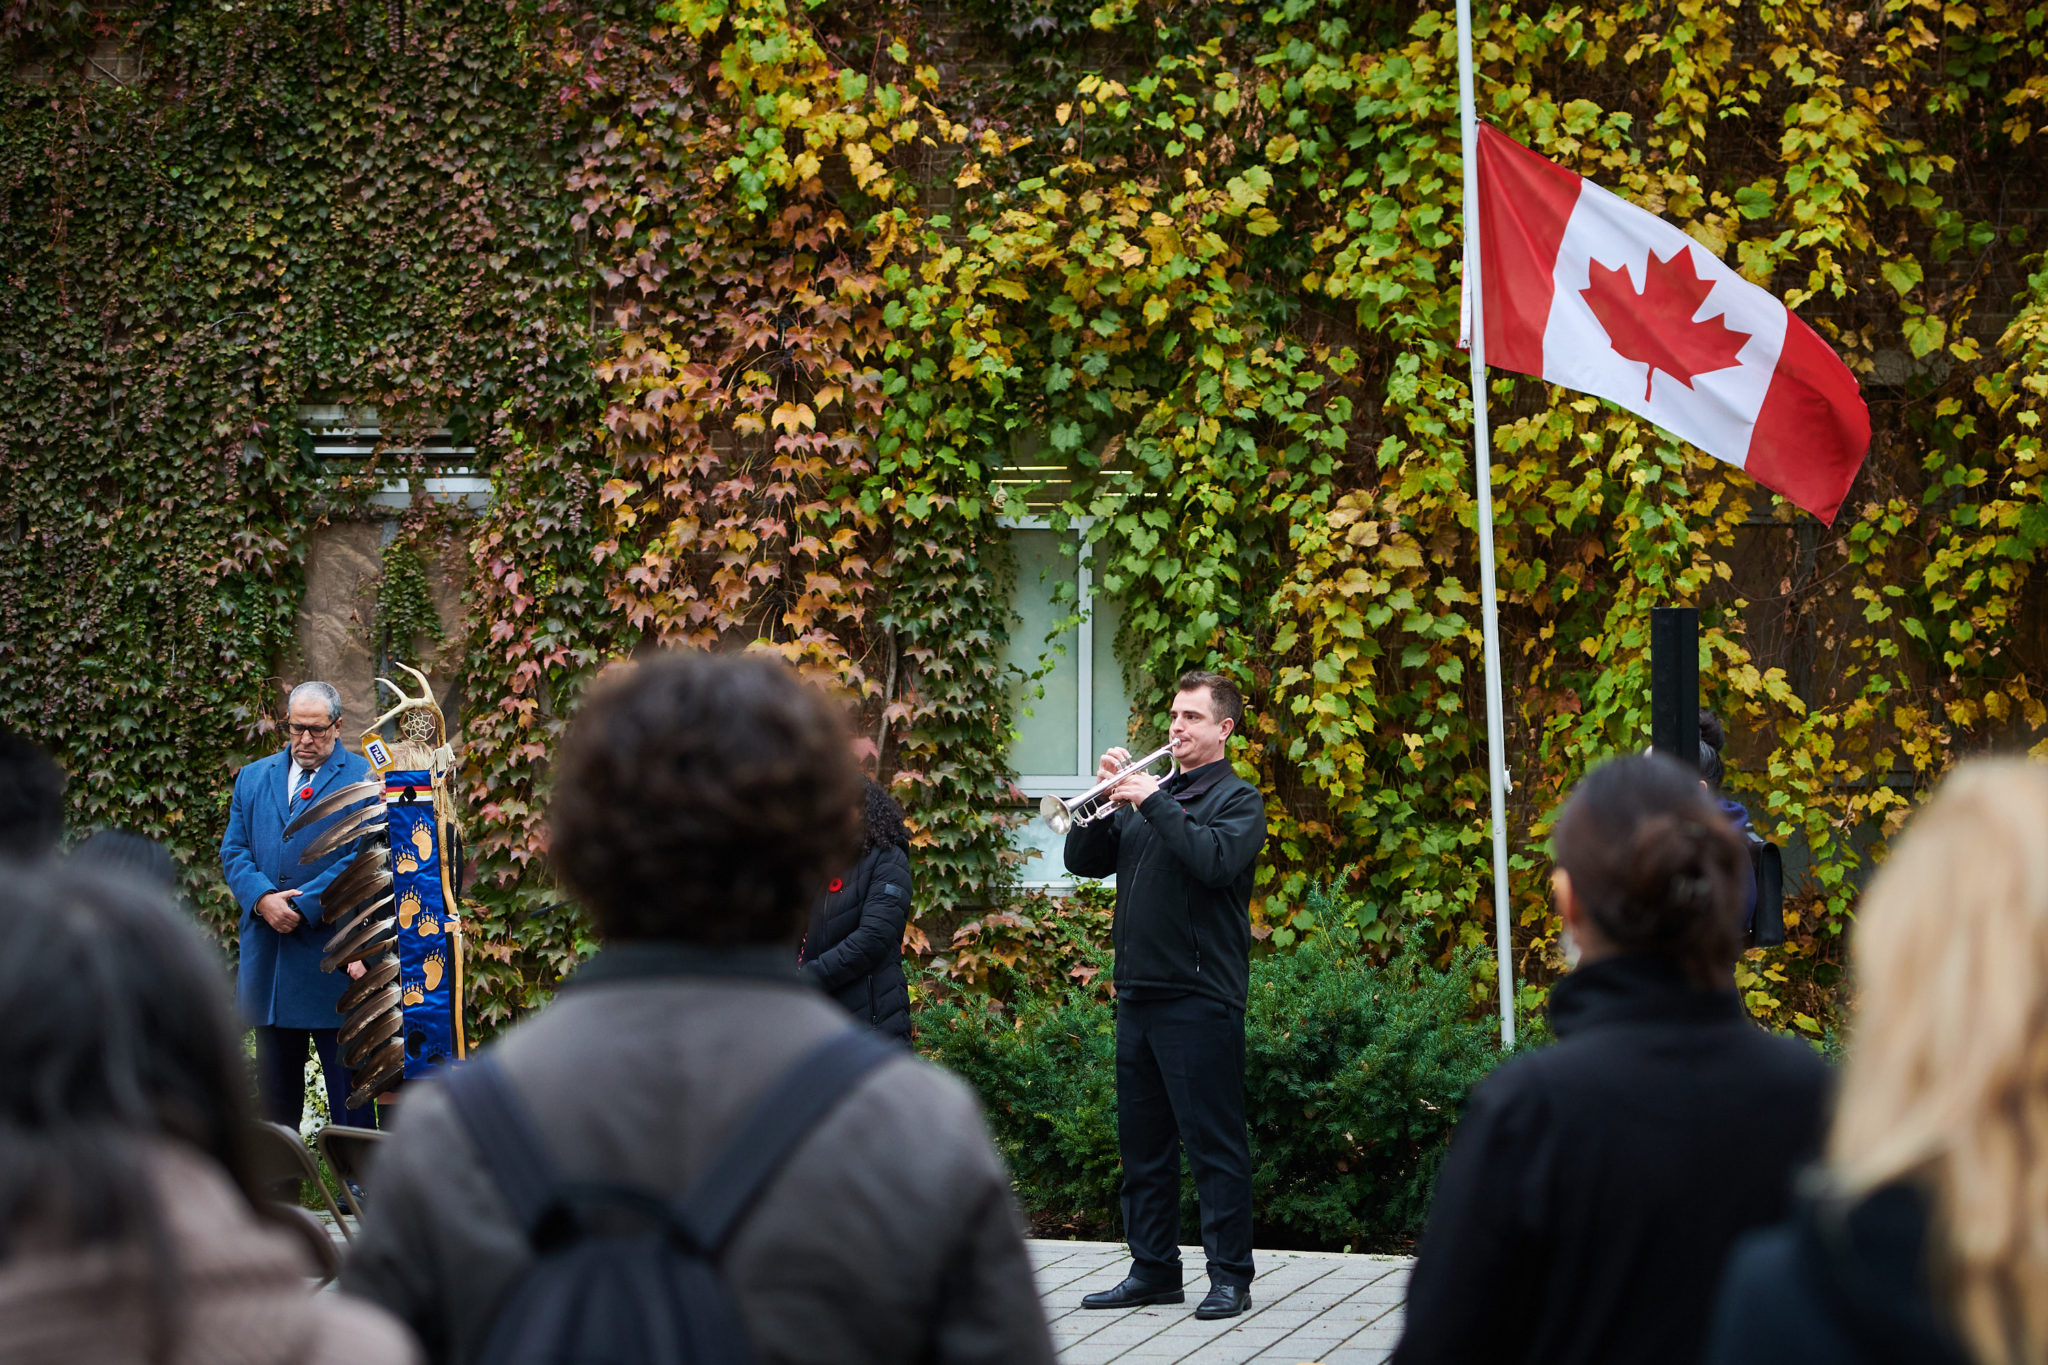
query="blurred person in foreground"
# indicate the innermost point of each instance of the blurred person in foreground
(31, 798)
(701, 804)
(1924, 1237)
(131, 854)
(129, 1228)
(1593, 1188)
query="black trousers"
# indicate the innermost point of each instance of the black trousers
(1180, 1083)
(281, 1077)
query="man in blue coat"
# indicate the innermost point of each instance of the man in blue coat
(279, 985)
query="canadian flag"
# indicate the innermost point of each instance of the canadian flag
(1587, 291)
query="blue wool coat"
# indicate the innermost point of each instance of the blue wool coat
(279, 982)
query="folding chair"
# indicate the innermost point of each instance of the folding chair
(282, 1161)
(347, 1152)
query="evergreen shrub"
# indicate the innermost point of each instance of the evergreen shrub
(1354, 1077)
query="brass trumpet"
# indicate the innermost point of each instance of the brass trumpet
(1091, 805)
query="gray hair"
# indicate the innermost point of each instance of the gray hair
(324, 691)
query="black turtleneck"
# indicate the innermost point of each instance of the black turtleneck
(1594, 1188)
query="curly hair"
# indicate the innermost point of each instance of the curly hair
(704, 798)
(882, 819)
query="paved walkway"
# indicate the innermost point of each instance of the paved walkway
(1307, 1306)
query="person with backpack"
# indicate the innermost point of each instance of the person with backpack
(693, 1154)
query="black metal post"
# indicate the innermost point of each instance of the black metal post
(1675, 683)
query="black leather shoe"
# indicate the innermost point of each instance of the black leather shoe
(1224, 1301)
(1135, 1293)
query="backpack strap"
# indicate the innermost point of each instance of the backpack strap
(795, 1104)
(505, 1137)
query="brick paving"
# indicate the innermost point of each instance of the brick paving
(1306, 1307)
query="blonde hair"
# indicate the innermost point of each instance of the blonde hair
(1947, 1079)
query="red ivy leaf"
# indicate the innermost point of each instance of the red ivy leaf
(1655, 328)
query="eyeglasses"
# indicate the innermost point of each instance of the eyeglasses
(308, 731)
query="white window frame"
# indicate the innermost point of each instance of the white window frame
(342, 435)
(1036, 785)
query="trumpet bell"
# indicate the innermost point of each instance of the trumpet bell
(1091, 805)
(1057, 817)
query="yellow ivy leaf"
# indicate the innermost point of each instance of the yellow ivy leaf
(1401, 554)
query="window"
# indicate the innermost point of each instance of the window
(1085, 707)
(341, 436)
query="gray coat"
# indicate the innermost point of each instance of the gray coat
(889, 1236)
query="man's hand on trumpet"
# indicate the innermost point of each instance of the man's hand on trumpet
(1111, 761)
(1133, 790)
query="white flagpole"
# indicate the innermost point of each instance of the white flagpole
(1482, 459)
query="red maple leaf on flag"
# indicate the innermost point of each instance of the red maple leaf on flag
(1655, 328)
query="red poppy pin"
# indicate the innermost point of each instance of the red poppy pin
(305, 792)
(836, 884)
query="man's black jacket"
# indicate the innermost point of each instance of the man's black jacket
(1183, 862)
(1594, 1188)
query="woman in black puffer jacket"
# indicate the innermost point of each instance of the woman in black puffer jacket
(855, 945)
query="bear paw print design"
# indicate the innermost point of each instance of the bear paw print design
(429, 926)
(435, 968)
(413, 994)
(409, 907)
(424, 843)
(404, 863)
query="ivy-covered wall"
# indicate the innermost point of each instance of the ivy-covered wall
(744, 304)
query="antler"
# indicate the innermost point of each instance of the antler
(406, 703)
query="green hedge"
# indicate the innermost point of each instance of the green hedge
(1354, 1077)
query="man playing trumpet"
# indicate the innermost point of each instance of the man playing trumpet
(1183, 852)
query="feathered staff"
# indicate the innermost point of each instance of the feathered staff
(393, 906)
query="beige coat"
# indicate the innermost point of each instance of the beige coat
(243, 1290)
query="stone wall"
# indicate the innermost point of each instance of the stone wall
(336, 627)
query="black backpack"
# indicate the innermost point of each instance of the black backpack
(623, 1276)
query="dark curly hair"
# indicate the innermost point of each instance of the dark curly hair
(881, 819)
(704, 798)
(1654, 864)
